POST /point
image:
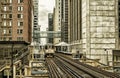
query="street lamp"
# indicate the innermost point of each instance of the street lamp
(106, 56)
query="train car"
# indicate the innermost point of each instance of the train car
(49, 52)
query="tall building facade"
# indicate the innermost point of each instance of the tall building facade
(93, 28)
(62, 15)
(36, 27)
(64, 20)
(16, 20)
(50, 26)
(57, 19)
(74, 22)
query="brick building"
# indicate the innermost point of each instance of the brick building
(16, 20)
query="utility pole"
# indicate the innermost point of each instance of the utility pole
(12, 49)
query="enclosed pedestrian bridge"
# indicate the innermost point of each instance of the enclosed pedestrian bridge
(47, 34)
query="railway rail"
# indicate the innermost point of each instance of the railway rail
(64, 67)
(54, 71)
(92, 71)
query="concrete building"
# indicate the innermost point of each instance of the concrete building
(16, 20)
(74, 24)
(57, 19)
(36, 27)
(61, 12)
(50, 26)
(93, 28)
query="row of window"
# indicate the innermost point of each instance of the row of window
(10, 15)
(6, 31)
(10, 1)
(6, 15)
(10, 38)
(9, 8)
(9, 23)
(4, 38)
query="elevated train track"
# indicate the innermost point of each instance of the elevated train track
(64, 67)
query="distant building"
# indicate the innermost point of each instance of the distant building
(57, 19)
(50, 26)
(61, 14)
(64, 20)
(36, 27)
(16, 20)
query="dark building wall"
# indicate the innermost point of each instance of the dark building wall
(64, 20)
(119, 22)
(50, 26)
(75, 24)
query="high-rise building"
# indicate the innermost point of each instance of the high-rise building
(61, 14)
(93, 28)
(16, 20)
(64, 20)
(36, 27)
(57, 19)
(50, 26)
(74, 18)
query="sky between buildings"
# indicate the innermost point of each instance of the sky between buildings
(45, 7)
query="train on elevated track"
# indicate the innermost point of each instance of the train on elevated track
(49, 50)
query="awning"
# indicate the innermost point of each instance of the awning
(62, 44)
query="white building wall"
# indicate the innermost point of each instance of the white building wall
(57, 19)
(99, 28)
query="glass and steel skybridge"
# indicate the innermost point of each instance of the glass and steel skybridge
(47, 34)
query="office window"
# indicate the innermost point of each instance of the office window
(10, 38)
(19, 38)
(4, 38)
(20, 1)
(10, 1)
(19, 31)
(5, 1)
(4, 31)
(10, 23)
(4, 23)
(4, 15)
(10, 8)
(10, 15)
(5, 8)
(20, 15)
(20, 23)
(20, 8)
(10, 31)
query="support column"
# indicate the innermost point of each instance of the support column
(8, 74)
(14, 71)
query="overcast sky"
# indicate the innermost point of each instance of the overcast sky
(45, 7)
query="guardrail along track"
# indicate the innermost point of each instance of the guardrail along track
(89, 70)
